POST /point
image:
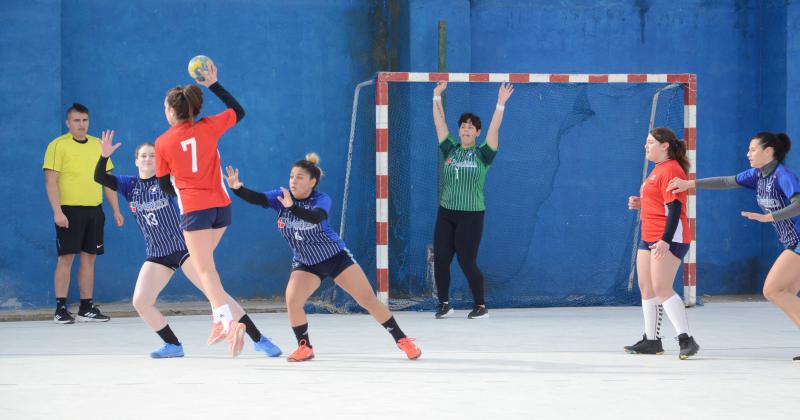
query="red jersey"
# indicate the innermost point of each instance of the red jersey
(654, 199)
(188, 152)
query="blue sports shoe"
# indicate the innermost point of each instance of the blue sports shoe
(266, 346)
(169, 350)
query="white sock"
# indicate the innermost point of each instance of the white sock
(652, 318)
(223, 315)
(677, 314)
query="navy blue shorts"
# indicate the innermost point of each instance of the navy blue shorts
(331, 267)
(676, 248)
(172, 261)
(213, 218)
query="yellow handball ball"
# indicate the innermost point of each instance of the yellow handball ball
(197, 64)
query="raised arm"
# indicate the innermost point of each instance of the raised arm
(210, 81)
(101, 176)
(438, 111)
(492, 136)
(107, 147)
(246, 194)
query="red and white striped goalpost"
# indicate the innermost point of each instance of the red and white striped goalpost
(382, 149)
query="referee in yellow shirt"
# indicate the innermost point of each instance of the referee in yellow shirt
(76, 200)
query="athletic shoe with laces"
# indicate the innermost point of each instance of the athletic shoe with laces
(235, 338)
(302, 354)
(478, 312)
(407, 345)
(645, 346)
(266, 346)
(796, 359)
(92, 314)
(168, 351)
(63, 316)
(217, 333)
(688, 346)
(444, 310)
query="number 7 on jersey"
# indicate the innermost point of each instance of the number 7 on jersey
(191, 143)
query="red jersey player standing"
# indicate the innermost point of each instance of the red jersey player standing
(188, 165)
(665, 241)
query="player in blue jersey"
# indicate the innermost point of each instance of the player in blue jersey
(318, 253)
(778, 195)
(158, 218)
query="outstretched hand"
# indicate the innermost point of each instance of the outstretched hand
(506, 89)
(286, 198)
(441, 85)
(106, 143)
(677, 185)
(232, 178)
(210, 75)
(758, 217)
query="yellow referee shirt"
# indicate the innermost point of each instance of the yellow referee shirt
(75, 162)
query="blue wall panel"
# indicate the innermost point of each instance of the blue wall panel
(293, 65)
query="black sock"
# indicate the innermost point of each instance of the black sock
(61, 303)
(301, 333)
(168, 336)
(393, 329)
(251, 328)
(86, 304)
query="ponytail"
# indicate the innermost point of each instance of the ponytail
(779, 142)
(186, 101)
(677, 148)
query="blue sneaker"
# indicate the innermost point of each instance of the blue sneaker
(266, 346)
(169, 350)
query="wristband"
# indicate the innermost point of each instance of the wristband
(500, 107)
(437, 98)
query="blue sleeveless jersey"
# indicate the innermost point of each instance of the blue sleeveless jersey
(156, 214)
(774, 192)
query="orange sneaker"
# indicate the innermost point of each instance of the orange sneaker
(407, 345)
(217, 333)
(235, 338)
(302, 354)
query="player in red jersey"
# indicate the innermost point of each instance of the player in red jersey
(665, 241)
(188, 165)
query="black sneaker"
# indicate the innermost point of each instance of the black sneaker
(796, 359)
(92, 315)
(63, 316)
(444, 310)
(645, 346)
(688, 346)
(478, 312)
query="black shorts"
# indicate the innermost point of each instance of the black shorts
(676, 248)
(331, 267)
(213, 218)
(172, 261)
(85, 231)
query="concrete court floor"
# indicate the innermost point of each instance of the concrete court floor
(553, 363)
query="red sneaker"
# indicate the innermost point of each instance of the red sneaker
(407, 345)
(302, 354)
